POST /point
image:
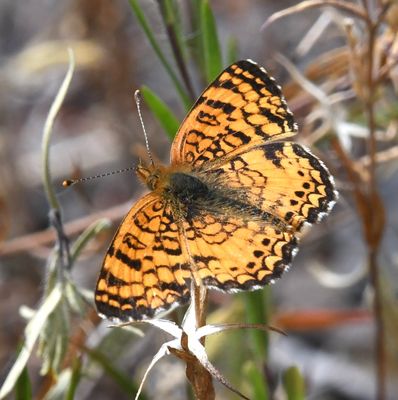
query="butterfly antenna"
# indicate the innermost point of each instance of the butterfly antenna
(70, 182)
(138, 103)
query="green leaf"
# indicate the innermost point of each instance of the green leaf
(54, 339)
(123, 381)
(194, 40)
(211, 46)
(293, 383)
(23, 387)
(47, 131)
(134, 4)
(74, 298)
(162, 112)
(89, 233)
(232, 50)
(257, 382)
(257, 304)
(173, 17)
(172, 20)
(32, 332)
(74, 379)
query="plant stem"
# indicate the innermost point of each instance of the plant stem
(198, 376)
(201, 380)
(55, 209)
(200, 305)
(47, 131)
(379, 336)
(376, 217)
(158, 50)
(170, 23)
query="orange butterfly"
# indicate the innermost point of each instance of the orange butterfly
(226, 211)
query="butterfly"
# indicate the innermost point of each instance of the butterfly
(227, 210)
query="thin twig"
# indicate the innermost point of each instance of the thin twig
(385, 70)
(352, 9)
(32, 241)
(175, 46)
(47, 131)
(199, 377)
(376, 217)
(382, 156)
(55, 216)
(355, 180)
(365, 6)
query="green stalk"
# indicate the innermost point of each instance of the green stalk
(294, 385)
(211, 45)
(55, 106)
(257, 312)
(170, 17)
(155, 45)
(162, 112)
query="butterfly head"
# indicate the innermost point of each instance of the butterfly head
(150, 175)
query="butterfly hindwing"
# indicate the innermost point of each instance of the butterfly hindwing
(282, 178)
(231, 253)
(145, 268)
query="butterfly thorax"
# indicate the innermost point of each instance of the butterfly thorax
(175, 181)
(179, 186)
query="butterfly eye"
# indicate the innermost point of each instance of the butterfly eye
(153, 180)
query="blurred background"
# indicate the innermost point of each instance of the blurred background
(324, 304)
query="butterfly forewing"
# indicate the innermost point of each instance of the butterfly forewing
(241, 108)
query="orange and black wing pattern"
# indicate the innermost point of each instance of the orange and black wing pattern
(243, 107)
(244, 234)
(145, 269)
(232, 253)
(283, 179)
(228, 209)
